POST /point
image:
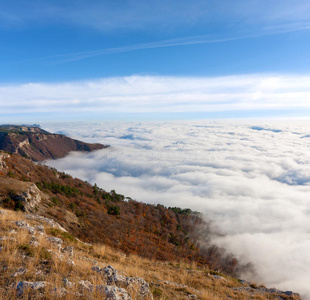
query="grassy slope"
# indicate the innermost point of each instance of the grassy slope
(153, 242)
(168, 280)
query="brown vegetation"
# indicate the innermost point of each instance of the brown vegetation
(39, 144)
(96, 216)
(20, 260)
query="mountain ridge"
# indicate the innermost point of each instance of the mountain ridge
(39, 144)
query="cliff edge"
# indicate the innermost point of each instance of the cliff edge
(38, 144)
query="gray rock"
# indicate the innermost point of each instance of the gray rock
(85, 285)
(134, 284)
(31, 230)
(55, 240)
(40, 228)
(58, 255)
(30, 198)
(59, 292)
(140, 286)
(25, 285)
(218, 277)
(93, 261)
(3, 156)
(7, 238)
(115, 293)
(34, 243)
(67, 283)
(22, 224)
(48, 221)
(20, 271)
(68, 250)
(70, 262)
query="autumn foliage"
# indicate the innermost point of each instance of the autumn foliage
(97, 216)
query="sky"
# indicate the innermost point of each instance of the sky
(71, 64)
(113, 60)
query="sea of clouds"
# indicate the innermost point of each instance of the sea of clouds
(251, 178)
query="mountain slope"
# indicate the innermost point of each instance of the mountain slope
(39, 144)
(41, 254)
(95, 215)
(40, 260)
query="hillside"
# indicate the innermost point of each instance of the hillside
(41, 260)
(156, 243)
(85, 210)
(38, 144)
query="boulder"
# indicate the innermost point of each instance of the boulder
(116, 293)
(135, 285)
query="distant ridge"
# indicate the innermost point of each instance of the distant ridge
(39, 144)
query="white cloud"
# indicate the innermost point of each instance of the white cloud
(250, 178)
(155, 94)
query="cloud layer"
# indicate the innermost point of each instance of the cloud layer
(251, 179)
(156, 94)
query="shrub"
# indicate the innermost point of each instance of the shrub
(10, 174)
(55, 200)
(114, 210)
(19, 206)
(72, 206)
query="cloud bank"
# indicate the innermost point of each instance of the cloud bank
(252, 179)
(156, 94)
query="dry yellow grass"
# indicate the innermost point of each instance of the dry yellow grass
(168, 280)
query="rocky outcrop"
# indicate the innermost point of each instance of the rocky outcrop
(48, 221)
(22, 286)
(111, 285)
(29, 198)
(39, 144)
(3, 156)
(136, 285)
(26, 195)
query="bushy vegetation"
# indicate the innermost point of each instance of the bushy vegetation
(57, 188)
(152, 231)
(21, 260)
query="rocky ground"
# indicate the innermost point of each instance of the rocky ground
(41, 260)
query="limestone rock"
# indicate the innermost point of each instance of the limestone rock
(55, 240)
(68, 250)
(19, 272)
(115, 293)
(30, 197)
(3, 156)
(136, 285)
(50, 222)
(22, 286)
(67, 283)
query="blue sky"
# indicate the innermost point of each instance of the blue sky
(80, 43)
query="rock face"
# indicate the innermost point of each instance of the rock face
(30, 198)
(3, 156)
(25, 193)
(39, 144)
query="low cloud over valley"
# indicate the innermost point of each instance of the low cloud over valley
(251, 179)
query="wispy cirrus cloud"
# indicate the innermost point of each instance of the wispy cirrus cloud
(140, 94)
(191, 40)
